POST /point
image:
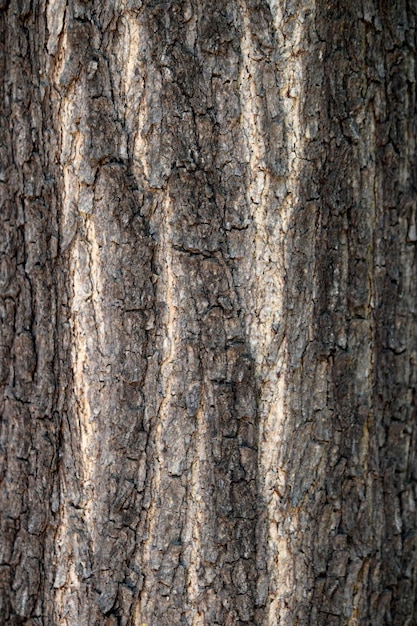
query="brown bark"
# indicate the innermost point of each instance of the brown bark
(208, 293)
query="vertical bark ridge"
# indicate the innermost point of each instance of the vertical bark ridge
(334, 515)
(110, 310)
(28, 317)
(392, 576)
(276, 41)
(200, 554)
(131, 205)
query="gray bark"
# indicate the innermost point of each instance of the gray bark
(208, 304)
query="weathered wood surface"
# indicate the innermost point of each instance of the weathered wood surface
(208, 313)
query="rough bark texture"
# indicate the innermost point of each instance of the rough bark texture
(208, 305)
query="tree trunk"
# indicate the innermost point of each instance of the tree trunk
(208, 306)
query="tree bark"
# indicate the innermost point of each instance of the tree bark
(208, 304)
